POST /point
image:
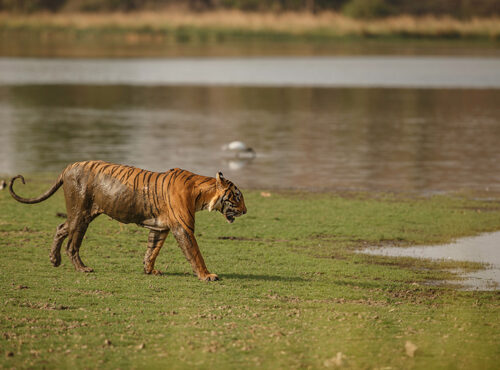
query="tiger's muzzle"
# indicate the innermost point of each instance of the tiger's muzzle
(231, 214)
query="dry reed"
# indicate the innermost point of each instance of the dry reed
(326, 24)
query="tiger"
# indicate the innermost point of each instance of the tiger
(159, 201)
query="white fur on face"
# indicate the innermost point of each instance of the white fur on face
(215, 204)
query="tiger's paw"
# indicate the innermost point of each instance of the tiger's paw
(209, 277)
(85, 269)
(55, 259)
(153, 272)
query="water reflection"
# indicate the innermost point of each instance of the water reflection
(236, 164)
(371, 139)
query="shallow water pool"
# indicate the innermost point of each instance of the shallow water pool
(484, 248)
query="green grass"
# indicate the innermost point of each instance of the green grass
(293, 294)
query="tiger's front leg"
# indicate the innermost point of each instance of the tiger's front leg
(189, 246)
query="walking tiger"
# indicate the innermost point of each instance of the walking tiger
(161, 202)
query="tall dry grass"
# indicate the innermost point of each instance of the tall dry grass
(294, 24)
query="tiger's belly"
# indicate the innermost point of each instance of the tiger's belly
(125, 204)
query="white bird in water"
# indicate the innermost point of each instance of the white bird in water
(239, 149)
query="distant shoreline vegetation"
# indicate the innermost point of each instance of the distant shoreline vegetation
(221, 25)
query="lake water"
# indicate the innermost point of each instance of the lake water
(365, 71)
(315, 122)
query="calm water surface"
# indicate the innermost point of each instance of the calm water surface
(483, 248)
(365, 71)
(320, 138)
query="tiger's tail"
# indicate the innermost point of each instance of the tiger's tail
(41, 198)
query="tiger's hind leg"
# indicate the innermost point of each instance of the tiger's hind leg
(77, 228)
(155, 242)
(55, 251)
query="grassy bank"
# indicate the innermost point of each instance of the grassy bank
(217, 26)
(292, 292)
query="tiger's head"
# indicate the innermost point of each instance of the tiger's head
(229, 200)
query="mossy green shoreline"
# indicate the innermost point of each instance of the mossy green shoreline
(213, 35)
(292, 295)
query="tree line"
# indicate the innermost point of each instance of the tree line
(462, 9)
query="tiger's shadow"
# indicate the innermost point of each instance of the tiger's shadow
(258, 277)
(262, 277)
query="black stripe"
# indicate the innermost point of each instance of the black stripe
(156, 183)
(224, 195)
(156, 202)
(151, 195)
(172, 178)
(127, 176)
(204, 181)
(127, 171)
(197, 197)
(84, 164)
(186, 224)
(144, 179)
(97, 167)
(144, 195)
(118, 174)
(150, 199)
(188, 178)
(102, 169)
(92, 166)
(136, 180)
(165, 175)
(113, 170)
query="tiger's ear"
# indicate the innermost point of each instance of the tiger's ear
(220, 179)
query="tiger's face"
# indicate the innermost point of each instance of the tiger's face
(231, 203)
